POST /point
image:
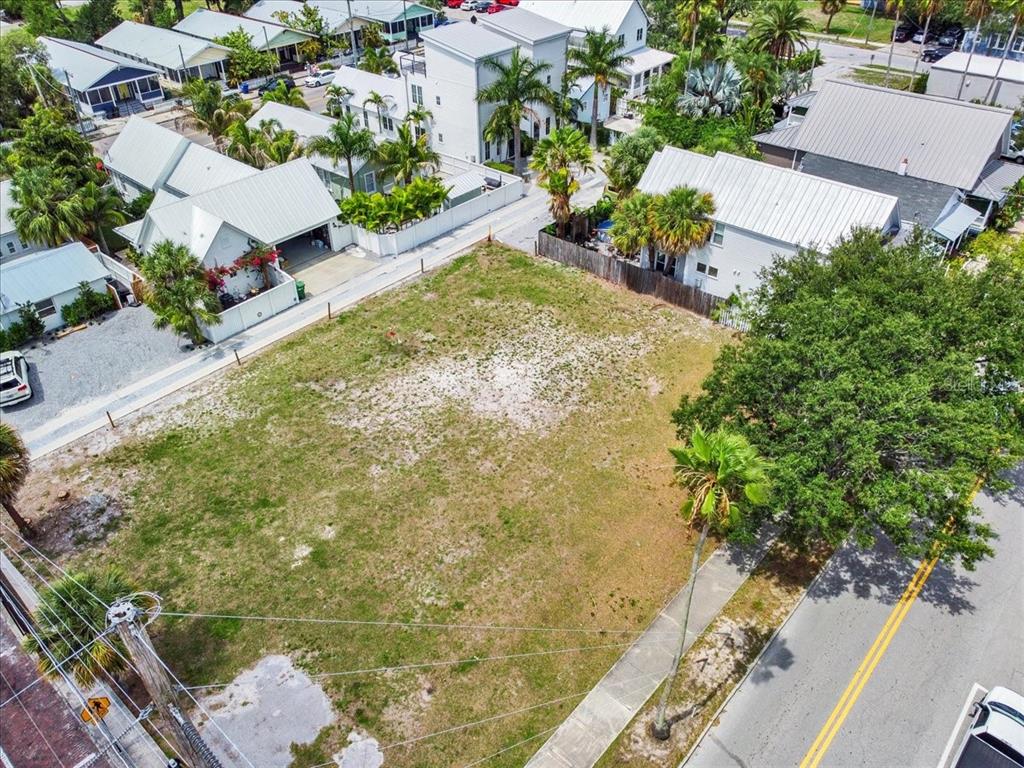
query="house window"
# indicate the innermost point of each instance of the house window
(549, 79)
(640, 33)
(622, 40)
(547, 125)
(45, 308)
(705, 269)
(440, 138)
(487, 150)
(536, 129)
(10, 246)
(1018, 45)
(417, 94)
(660, 261)
(370, 181)
(712, 271)
(388, 123)
(719, 233)
(437, 100)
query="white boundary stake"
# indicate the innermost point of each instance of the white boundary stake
(972, 697)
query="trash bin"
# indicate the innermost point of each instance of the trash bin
(300, 288)
(244, 87)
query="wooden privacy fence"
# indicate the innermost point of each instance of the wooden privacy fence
(632, 276)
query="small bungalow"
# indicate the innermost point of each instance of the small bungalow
(399, 19)
(334, 14)
(100, 81)
(178, 56)
(11, 246)
(48, 280)
(265, 35)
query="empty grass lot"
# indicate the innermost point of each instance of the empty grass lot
(486, 446)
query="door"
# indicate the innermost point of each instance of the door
(124, 92)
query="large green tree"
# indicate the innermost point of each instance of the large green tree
(779, 28)
(213, 112)
(13, 471)
(681, 221)
(95, 19)
(881, 386)
(558, 158)
(600, 58)
(518, 88)
(177, 291)
(21, 58)
(406, 155)
(245, 60)
(101, 208)
(345, 140)
(627, 158)
(46, 208)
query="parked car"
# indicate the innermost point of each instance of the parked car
(275, 81)
(956, 31)
(903, 32)
(938, 52)
(320, 78)
(947, 40)
(919, 36)
(996, 736)
(476, 5)
(14, 383)
(453, 3)
(513, 3)
(496, 7)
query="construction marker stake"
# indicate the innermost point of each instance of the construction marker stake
(111, 420)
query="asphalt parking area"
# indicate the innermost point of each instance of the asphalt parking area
(93, 363)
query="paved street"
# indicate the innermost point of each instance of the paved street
(841, 59)
(965, 628)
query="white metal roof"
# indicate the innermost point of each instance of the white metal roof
(45, 274)
(200, 169)
(334, 13)
(523, 25)
(85, 64)
(161, 47)
(6, 203)
(379, 10)
(464, 182)
(983, 66)
(644, 59)
(211, 25)
(778, 203)
(582, 14)
(305, 123)
(784, 138)
(145, 151)
(471, 41)
(955, 221)
(361, 83)
(997, 178)
(131, 231)
(943, 140)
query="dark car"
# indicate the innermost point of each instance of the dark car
(947, 40)
(955, 31)
(903, 32)
(274, 82)
(936, 53)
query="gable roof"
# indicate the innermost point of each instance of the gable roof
(381, 10)
(145, 151)
(45, 274)
(583, 14)
(211, 25)
(1009, 70)
(201, 168)
(86, 65)
(523, 25)
(943, 140)
(159, 46)
(778, 203)
(469, 41)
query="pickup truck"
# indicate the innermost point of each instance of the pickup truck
(996, 736)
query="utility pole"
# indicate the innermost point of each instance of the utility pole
(74, 102)
(351, 30)
(124, 618)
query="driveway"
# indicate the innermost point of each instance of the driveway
(93, 363)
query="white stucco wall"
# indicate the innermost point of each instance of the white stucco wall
(634, 21)
(61, 300)
(12, 248)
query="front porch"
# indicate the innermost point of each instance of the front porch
(122, 98)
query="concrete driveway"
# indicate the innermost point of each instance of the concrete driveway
(92, 363)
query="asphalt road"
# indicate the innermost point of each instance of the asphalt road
(841, 59)
(965, 628)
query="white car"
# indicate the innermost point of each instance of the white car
(996, 735)
(320, 78)
(14, 384)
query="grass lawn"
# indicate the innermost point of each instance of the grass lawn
(900, 79)
(852, 21)
(486, 446)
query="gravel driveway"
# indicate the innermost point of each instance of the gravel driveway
(93, 363)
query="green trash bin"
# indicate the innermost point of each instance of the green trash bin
(300, 288)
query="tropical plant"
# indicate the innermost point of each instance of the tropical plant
(714, 90)
(564, 105)
(600, 59)
(979, 10)
(557, 158)
(419, 118)
(212, 112)
(722, 473)
(308, 19)
(378, 61)
(1015, 8)
(245, 144)
(381, 104)
(631, 224)
(47, 140)
(13, 472)
(760, 75)
(628, 157)
(779, 28)
(517, 89)
(406, 155)
(681, 221)
(830, 8)
(281, 146)
(245, 61)
(101, 207)
(21, 58)
(380, 213)
(177, 291)
(336, 97)
(72, 611)
(282, 93)
(46, 210)
(88, 304)
(345, 140)
(373, 36)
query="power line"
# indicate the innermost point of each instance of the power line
(35, 725)
(53, 564)
(510, 747)
(40, 678)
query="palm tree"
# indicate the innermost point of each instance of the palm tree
(337, 97)
(565, 105)
(600, 59)
(67, 619)
(280, 147)
(245, 145)
(378, 61)
(978, 10)
(780, 28)
(177, 291)
(419, 117)
(717, 470)
(345, 140)
(631, 225)
(13, 471)
(681, 221)
(557, 158)
(517, 89)
(283, 94)
(406, 155)
(101, 208)
(693, 13)
(212, 112)
(830, 8)
(714, 90)
(46, 210)
(929, 8)
(382, 104)
(1015, 7)
(899, 6)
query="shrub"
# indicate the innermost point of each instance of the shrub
(15, 336)
(805, 61)
(28, 318)
(137, 208)
(89, 304)
(419, 199)
(499, 166)
(5, 340)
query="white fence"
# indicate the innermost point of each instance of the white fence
(255, 310)
(119, 269)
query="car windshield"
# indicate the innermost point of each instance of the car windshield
(1010, 712)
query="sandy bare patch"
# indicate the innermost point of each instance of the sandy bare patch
(362, 752)
(299, 554)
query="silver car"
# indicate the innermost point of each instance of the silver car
(14, 384)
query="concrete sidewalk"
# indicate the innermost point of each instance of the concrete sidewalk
(616, 699)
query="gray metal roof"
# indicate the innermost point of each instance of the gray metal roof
(996, 180)
(783, 138)
(85, 64)
(942, 140)
(211, 25)
(778, 203)
(144, 151)
(523, 25)
(46, 274)
(464, 183)
(954, 222)
(200, 169)
(161, 47)
(469, 40)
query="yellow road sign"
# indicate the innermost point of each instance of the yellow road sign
(97, 710)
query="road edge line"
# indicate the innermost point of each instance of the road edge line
(956, 726)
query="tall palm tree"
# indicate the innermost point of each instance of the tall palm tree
(283, 94)
(600, 59)
(280, 147)
(177, 291)
(212, 112)
(337, 97)
(929, 8)
(978, 10)
(1016, 8)
(631, 225)
(557, 158)
(67, 618)
(517, 89)
(378, 61)
(101, 208)
(13, 471)
(721, 473)
(245, 145)
(345, 140)
(46, 210)
(419, 117)
(830, 8)
(406, 155)
(681, 221)
(780, 28)
(899, 6)
(565, 105)
(380, 103)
